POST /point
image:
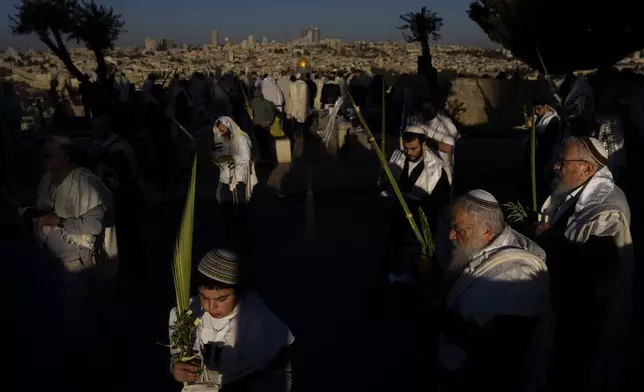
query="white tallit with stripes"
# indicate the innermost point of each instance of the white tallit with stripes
(430, 176)
(603, 211)
(80, 192)
(241, 168)
(507, 277)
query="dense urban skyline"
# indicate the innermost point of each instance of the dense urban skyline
(191, 21)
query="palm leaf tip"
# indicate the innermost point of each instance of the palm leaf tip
(516, 212)
(429, 247)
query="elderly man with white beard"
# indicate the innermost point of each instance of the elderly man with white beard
(585, 229)
(496, 313)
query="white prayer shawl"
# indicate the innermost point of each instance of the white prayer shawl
(239, 146)
(123, 86)
(252, 336)
(298, 104)
(272, 92)
(543, 122)
(602, 210)
(284, 83)
(442, 129)
(430, 176)
(318, 94)
(507, 277)
(80, 192)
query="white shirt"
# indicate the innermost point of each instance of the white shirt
(442, 129)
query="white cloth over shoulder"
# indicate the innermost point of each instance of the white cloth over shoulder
(80, 192)
(430, 176)
(272, 92)
(602, 211)
(241, 169)
(252, 336)
(508, 277)
(298, 105)
(442, 129)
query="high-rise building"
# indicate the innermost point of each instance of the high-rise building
(251, 40)
(165, 44)
(215, 38)
(316, 36)
(226, 42)
(304, 31)
(150, 45)
(264, 41)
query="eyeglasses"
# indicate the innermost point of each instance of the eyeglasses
(564, 162)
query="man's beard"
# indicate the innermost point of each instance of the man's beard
(461, 255)
(559, 187)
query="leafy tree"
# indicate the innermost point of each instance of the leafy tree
(570, 35)
(56, 22)
(419, 27)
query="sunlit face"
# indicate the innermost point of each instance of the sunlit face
(223, 131)
(218, 303)
(414, 149)
(541, 110)
(571, 169)
(467, 237)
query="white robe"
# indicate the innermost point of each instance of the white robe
(430, 176)
(603, 211)
(442, 129)
(479, 294)
(298, 103)
(241, 168)
(272, 92)
(80, 192)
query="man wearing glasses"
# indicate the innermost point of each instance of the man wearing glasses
(585, 230)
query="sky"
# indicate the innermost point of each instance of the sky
(191, 21)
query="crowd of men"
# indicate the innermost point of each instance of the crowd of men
(548, 299)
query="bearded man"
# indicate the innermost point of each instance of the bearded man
(496, 313)
(585, 229)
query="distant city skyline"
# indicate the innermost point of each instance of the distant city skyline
(193, 21)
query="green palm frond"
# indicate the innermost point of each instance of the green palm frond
(430, 245)
(182, 263)
(516, 212)
(385, 166)
(183, 331)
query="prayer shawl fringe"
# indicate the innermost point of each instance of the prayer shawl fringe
(512, 279)
(78, 193)
(430, 176)
(241, 168)
(602, 210)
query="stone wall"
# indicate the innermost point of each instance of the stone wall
(495, 101)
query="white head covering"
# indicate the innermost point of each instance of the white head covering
(483, 199)
(596, 149)
(298, 76)
(415, 129)
(220, 265)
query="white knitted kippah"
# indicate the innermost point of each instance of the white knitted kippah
(415, 129)
(596, 149)
(482, 198)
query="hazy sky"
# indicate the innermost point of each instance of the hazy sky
(190, 21)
